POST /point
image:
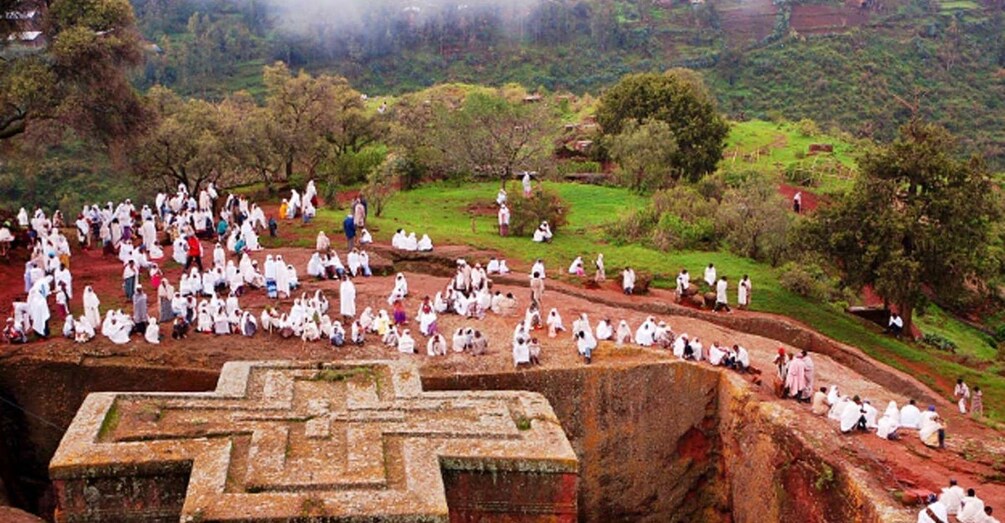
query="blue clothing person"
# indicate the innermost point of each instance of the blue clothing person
(349, 226)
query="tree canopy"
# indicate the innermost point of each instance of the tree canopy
(679, 98)
(80, 78)
(645, 153)
(917, 219)
(493, 136)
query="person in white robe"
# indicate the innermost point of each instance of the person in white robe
(425, 244)
(934, 512)
(932, 431)
(153, 332)
(742, 358)
(624, 335)
(870, 413)
(697, 349)
(743, 290)
(852, 416)
(586, 344)
(710, 277)
(406, 344)
(886, 427)
(628, 280)
(543, 233)
(910, 416)
(347, 298)
(521, 352)
(314, 267)
(972, 510)
(365, 237)
(311, 331)
(554, 323)
(282, 278)
(436, 346)
(91, 304)
(83, 330)
(715, 355)
(461, 340)
(604, 330)
(38, 306)
(526, 184)
(645, 334)
(501, 197)
(427, 320)
(68, 327)
(952, 497)
(576, 267)
(118, 328)
(837, 409)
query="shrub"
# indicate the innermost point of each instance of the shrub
(807, 127)
(809, 280)
(543, 205)
(673, 232)
(939, 342)
(573, 167)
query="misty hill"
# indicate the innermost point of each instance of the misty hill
(861, 65)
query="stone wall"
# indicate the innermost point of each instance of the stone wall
(647, 436)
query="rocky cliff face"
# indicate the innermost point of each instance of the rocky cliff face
(665, 441)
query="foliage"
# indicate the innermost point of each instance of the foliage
(678, 98)
(754, 221)
(492, 136)
(526, 214)
(645, 154)
(917, 218)
(808, 279)
(79, 79)
(676, 218)
(579, 166)
(383, 181)
(939, 342)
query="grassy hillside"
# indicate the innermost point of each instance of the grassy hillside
(440, 210)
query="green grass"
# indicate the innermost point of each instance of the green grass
(440, 210)
(969, 341)
(769, 147)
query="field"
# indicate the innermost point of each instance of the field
(441, 210)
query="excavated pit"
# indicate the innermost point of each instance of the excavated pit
(662, 441)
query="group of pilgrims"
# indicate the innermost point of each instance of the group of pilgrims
(204, 300)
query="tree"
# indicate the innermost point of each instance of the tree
(678, 98)
(492, 136)
(644, 153)
(311, 118)
(917, 219)
(753, 219)
(79, 80)
(184, 145)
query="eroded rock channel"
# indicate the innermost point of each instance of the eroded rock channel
(662, 441)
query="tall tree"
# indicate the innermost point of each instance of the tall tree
(495, 137)
(917, 218)
(679, 98)
(312, 118)
(184, 146)
(79, 79)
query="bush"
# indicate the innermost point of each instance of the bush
(939, 342)
(807, 127)
(754, 220)
(573, 167)
(676, 218)
(809, 280)
(543, 205)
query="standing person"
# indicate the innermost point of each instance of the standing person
(797, 202)
(721, 295)
(743, 293)
(962, 394)
(140, 317)
(359, 213)
(536, 289)
(526, 184)
(349, 226)
(977, 403)
(503, 220)
(193, 252)
(129, 278)
(601, 275)
(628, 280)
(347, 297)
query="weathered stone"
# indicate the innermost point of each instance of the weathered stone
(279, 441)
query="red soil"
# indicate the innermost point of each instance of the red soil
(810, 200)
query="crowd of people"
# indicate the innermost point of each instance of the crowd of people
(208, 301)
